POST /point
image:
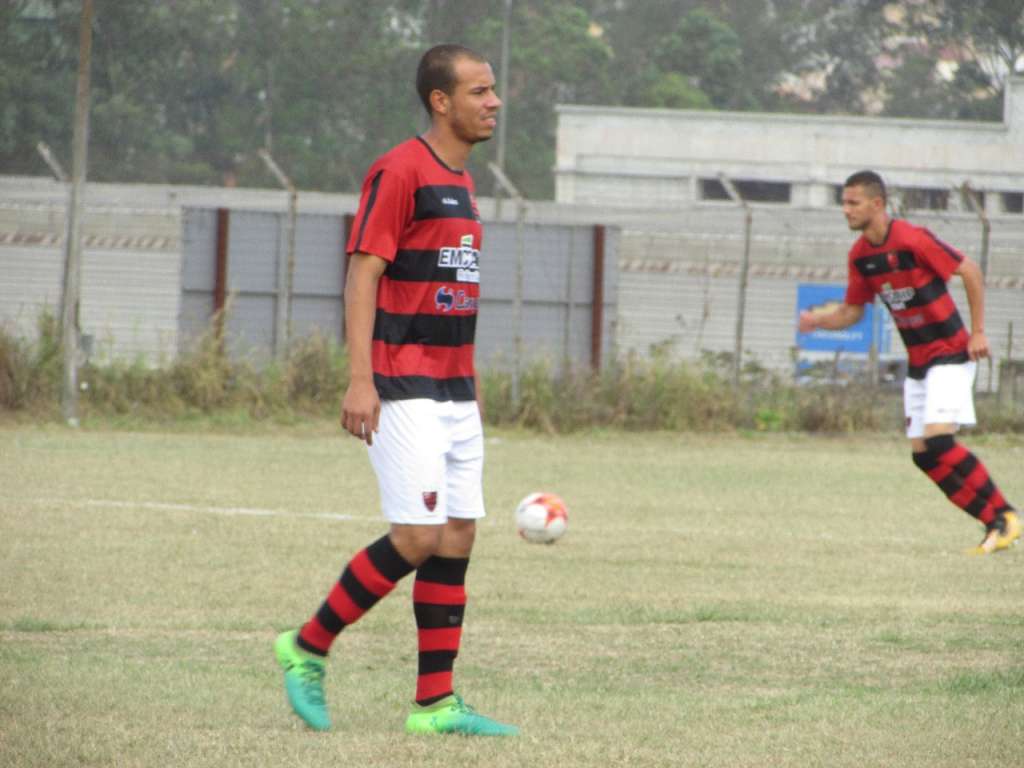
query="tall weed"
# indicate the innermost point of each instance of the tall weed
(634, 393)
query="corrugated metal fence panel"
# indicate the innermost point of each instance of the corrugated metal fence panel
(131, 269)
(198, 273)
(318, 281)
(130, 304)
(257, 241)
(557, 284)
(679, 293)
(558, 268)
(31, 266)
(254, 242)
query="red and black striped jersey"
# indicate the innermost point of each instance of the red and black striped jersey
(420, 216)
(909, 270)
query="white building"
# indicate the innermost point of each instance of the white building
(664, 158)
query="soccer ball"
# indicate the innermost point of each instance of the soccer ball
(542, 518)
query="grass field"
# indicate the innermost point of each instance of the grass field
(718, 601)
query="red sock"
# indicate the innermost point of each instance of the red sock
(439, 601)
(962, 477)
(368, 577)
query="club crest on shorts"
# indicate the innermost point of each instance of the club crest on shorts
(430, 500)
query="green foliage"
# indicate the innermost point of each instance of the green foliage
(30, 374)
(202, 381)
(708, 50)
(656, 393)
(674, 91)
(187, 92)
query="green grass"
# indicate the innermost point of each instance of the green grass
(718, 601)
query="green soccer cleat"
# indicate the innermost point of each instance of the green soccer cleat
(303, 681)
(452, 715)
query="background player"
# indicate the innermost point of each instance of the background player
(909, 268)
(410, 307)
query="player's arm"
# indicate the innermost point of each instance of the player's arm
(974, 286)
(842, 316)
(360, 408)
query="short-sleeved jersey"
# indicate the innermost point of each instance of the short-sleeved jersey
(421, 217)
(909, 270)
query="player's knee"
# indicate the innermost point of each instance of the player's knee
(415, 543)
(458, 537)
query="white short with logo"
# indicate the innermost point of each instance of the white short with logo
(944, 396)
(429, 458)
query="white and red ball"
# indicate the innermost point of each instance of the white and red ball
(542, 518)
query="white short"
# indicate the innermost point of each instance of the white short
(429, 458)
(944, 396)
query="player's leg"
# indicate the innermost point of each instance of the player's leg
(439, 594)
(407, 459)
(948, 404)
(368, 577)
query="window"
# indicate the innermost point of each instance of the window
(1013, 202)
(923, 198)
(751, 190)
(713, 189)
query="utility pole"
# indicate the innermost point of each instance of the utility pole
(741, 298)
(58, 171)
(73, 244)
(286, 266)
(503, 112)
(975, 203)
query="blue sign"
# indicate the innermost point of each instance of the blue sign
(856, 339)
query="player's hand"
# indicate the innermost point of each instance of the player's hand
(807, 324)
(360, 410)
(977, 346)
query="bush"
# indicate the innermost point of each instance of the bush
(30, 374)
(656, 393)
(634, 393)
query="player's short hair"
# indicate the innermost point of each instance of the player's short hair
(436, 71)
(871, 182)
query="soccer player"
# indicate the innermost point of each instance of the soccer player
(909, 268)
(410, 308)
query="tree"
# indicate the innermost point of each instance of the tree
(707, 50)
(37, 82)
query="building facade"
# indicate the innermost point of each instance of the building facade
(661, 158)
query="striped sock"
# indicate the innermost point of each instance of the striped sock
(368, 577)
(439, 601)
(962, 477)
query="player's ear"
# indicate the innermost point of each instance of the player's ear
(439, 101)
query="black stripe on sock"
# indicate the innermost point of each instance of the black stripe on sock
(976, 506)
(444, 570)
(925, 460)
(309, 648)
(329, 620)
(436, 661)
(939, 444)
(429, 616)
(968, 465)
(950, 484)
(360, 595)
(387, 560)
